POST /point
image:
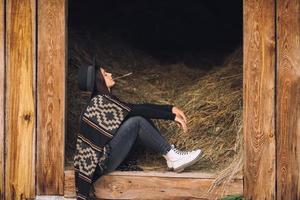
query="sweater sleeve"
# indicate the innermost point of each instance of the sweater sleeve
(166, 107)
(152, 111)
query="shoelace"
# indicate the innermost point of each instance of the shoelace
(179, 151)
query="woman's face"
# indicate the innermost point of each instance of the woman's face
(108, 78)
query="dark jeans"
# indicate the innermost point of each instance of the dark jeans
(131, 129)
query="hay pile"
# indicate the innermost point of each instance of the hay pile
(209, 94)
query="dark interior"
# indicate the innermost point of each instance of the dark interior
(165, 29)
(170, 31)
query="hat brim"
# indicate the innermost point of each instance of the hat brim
(86, 78)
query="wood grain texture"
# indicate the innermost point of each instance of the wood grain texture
(20, 100)
(259, 98)
(155, 185)
(2, 95)
(51, 96)
(288, 99)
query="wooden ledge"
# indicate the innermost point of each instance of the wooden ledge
(156, 185)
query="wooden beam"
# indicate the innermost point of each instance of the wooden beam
(288, 99)
(2, 95)
(259, 100)
(20, 100)
(47, 197)
(51, 96)
(156, 185)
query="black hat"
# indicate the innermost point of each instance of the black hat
(86, 77)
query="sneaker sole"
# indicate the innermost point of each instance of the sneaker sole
(181, 168)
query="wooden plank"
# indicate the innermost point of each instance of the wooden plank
(288, 99)
(191, 175)
(258, 97)
(20, 100)
(51, 96)
(47, 197)
(158, 185)
(2, 95)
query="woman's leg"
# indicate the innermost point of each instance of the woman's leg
(151, 137)
(127, 134)
(121, 143)
(152, 123)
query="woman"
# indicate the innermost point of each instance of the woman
(138, 124)
(109, 127)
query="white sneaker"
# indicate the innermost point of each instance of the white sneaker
(169, 163)
(178, 160)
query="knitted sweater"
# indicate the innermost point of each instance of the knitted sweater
(151, 111)
(98, 124)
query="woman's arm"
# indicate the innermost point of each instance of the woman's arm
(165, 107)
(152, 111)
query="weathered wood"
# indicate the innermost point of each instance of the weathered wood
(156, 185)
(20, 100)
(47, 197)
(2, 95)
(51, 96)
(288, 99)
(259, 98)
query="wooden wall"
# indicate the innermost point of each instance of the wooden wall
(271, 98)
(259, 99)
(51, 101)
(2, 95)
(20, 97)
(288, 99)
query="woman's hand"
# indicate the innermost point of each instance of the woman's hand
(181, 122)
(179, 113)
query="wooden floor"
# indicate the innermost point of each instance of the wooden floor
(156, 185)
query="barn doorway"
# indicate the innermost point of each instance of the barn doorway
(185, 53)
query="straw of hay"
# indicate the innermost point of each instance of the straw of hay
(211, 99)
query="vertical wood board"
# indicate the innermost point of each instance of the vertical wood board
(20, 99)
(2, 95)
(288, 99)
(51, 96)
(259, 99)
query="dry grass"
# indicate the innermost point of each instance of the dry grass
(211, 99)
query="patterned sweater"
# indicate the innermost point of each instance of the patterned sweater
(98, 124)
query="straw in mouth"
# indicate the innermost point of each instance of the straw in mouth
(123, 76)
